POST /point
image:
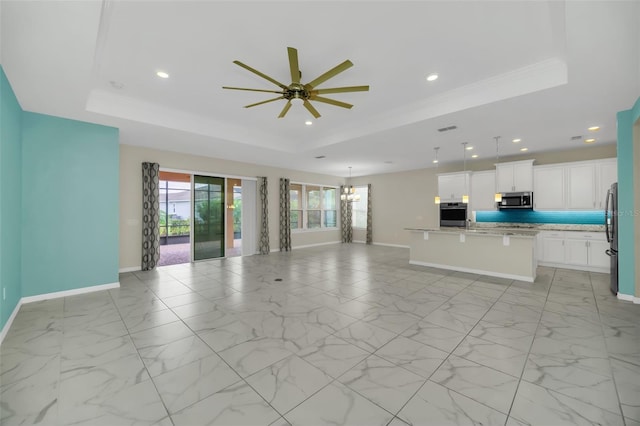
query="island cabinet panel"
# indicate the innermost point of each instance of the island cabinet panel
(499, 254)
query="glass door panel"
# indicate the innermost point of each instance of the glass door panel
(208, 217)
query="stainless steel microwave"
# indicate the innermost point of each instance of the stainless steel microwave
(516, 200)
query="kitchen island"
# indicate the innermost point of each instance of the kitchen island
(504, 253)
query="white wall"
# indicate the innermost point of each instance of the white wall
(131, 158)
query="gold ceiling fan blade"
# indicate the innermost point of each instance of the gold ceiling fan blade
(285, 109)
(293, 65)
(342, 89)
(264, 102)
(253, 90)
(331, 101)
(329, 74)
(255, 71)
(311, 109)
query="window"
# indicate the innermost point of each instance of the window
(359, 208)
(312, 206)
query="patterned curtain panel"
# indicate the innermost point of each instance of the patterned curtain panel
(285, 216)
(346, 211)
(369, 217)
(150, 216)
(264, 216)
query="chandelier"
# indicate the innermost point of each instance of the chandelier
(349, 195)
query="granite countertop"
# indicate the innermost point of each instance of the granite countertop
(495, 231)
(512, 229)
(539, 226)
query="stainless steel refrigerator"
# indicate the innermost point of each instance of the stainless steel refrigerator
(611, 228)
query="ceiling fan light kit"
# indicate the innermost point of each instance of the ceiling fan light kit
(302, 93)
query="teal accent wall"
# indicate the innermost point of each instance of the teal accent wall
(626, 198)
(587, 217)
(70, 204)
(10, 199)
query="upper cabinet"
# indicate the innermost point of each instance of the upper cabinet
(581, 186)
(548, 184)
(606, 174)
(573, 186)
(451, 186)
(516, 176)
(483, 189)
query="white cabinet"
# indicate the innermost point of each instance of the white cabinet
(576, 252)
(451, 186)
(573, 250)
(551, 247)
(483, 188)
(516, 176)
(573, 186)
(548, 183)
(587, 249)
(597, 254)
(607, 173)
(581, 186)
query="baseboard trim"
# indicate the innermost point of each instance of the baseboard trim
(54, 295)
(129, 269)
(574, 267)
(67, 293)
(7, 325)
(626, 297)
(391, 245)
(474, 271)
(315, 245)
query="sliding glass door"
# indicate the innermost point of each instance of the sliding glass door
(208, 217)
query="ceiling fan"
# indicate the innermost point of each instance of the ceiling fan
(296, 91)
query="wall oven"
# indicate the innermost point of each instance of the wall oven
(453, 214)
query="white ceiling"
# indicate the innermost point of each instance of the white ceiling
(537, 70)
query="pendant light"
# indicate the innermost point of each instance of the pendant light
(498, 196)
(465, 196)
(436, 199)
(349, 195)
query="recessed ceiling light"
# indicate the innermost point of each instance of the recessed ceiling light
(432, 77)
(524, 149)
(435, 161)
(320, 157)
(469, 148)
(589, 140)
(593, 128)
(308, 122)
(162, 74)
(516, 140)
(474, 156)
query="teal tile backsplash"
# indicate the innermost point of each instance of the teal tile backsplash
(587, 217)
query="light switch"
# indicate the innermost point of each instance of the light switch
(505, 240)
(462, 238)
(426, 235)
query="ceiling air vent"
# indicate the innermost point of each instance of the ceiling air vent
(576, 138)
(319, 157)
(446, 129)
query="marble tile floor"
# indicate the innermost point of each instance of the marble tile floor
(337, 335)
